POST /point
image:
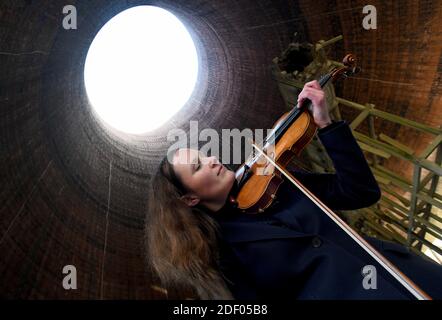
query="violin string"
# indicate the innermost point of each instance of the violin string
(294, 114)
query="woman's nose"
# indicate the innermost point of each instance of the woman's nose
(213, 161)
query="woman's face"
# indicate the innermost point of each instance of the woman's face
(206, 179)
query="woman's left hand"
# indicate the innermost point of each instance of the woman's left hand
(313, 91)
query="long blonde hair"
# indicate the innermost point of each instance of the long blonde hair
(182, 242)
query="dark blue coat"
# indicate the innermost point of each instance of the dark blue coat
(295, 251)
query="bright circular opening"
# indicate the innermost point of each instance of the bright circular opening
(140, 69)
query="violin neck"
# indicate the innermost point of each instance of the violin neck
(293, 115)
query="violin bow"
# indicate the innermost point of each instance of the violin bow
(395, 272)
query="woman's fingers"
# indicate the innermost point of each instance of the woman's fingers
(313, 84)
(313, 92)
(314, 95)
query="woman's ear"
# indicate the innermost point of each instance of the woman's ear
(190, 200)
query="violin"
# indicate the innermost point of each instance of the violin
(258, 182)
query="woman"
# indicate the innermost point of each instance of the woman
(196, 239)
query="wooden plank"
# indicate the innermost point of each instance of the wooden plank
(358, 120)
(422, 195)
(435, 217)
(393, 177)
(396, 144)
(429, 165)
(382, 180)
(399, 153)
(392, 117)
(397, 236)
(425, 180)
(393, 211)
(430, 245)
(374, 150)
(432, 190)
(433, 145)
(394, 204)
(384, 146)
(383, 214)
(427, 198)
(352, 104)
(430, 225)
(401, 240)
(404, 225)
(379, 229)
(417, 170)
(322, 44)
(372, 132)
(424, 241)
(402, 199)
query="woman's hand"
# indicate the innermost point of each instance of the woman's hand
(313, 91)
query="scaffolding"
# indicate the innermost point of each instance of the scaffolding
(409, 211)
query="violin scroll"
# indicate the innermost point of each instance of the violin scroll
(348, 69)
